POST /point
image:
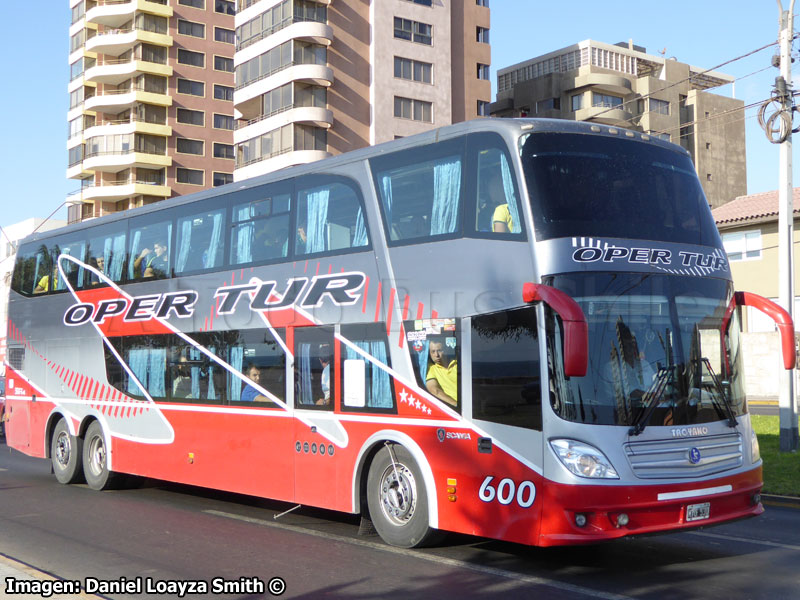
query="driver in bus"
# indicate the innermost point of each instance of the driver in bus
(442, 376)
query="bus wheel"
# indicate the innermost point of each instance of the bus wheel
(65, 454)
(397, 500)
(95, 463)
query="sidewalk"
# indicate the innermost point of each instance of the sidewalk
(25, 578)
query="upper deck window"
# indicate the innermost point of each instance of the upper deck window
(200, 241)
(600, 186)
(421, 190)
(329, 217)
(261, 227)
(150, 251)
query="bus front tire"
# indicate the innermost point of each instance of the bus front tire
(397, 499)
(65, 454)
(95, 461)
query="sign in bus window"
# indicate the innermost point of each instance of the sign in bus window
(329, 218)
(506, 382)
(367, 384)
(434, 348)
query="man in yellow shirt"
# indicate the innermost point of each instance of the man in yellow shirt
(442, 377)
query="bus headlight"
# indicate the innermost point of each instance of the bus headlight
(755, 451)
(583, 460)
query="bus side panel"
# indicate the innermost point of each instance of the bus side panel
(242, 453)
(18, 415)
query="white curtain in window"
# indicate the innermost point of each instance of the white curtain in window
(235, 383)
(317, 211)
(508, 188)
(183, 246)
(135, 241)
(446, 196)
(306, 391)
(210, 259)
(379, 390)
(244, 236)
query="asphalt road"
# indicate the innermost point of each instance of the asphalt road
(168, 532)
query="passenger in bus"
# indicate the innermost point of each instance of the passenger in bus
(43, 285)
(442, 376)
(182, 380)
(498, 203)
(152, 263)
(325, 377)
(99, 264)
(271, 240)
(249, 393)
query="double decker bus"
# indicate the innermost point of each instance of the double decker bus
(518, 329)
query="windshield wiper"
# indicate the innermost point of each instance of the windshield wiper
(728, 409)
(651, 398)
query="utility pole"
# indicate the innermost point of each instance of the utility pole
(783, 88)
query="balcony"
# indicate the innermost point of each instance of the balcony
(303, 73)
(113, 13)
(280, 161)
(604, 114)
(127, 126)
(115, 101)
(114, 71)
(116, 161)
(117, 41)
(118, 190)
(307, 115)
(604, 82)
(293, 28)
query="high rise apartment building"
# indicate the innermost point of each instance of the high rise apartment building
(623, 86)
(150, 101)
(316, 78)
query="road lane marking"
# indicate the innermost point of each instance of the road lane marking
(451, 562)
(733, 538)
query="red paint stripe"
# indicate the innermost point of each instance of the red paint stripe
(317, 271)
(390, 311)
(402, 339)
(81, 381)
(305, 267)
(434, 314)
(406, 302)
(420, 310)
(378, 302)
(330, 269)
(366, 293)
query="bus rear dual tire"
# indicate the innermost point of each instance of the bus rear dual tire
(397, 499)
(75, 459)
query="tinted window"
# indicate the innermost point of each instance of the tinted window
(434, 348)
(497, 209)
(260, 230)
(314, 380)
(33, 264)
(367, 387)
(330, 217)
(150, 250)
(421, 190)
(260, 357)
(66, 272)
(105, 253)
(506, 386)
(594, 186)
(200, 241)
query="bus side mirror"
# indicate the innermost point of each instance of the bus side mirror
(776, 313)
(576, 330)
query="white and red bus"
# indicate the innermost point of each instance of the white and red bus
(518, 329)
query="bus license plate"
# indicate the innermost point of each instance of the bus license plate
(698, 512)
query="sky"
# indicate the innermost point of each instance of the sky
(704, 33)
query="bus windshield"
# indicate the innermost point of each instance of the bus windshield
(652, 339)
(585, 185)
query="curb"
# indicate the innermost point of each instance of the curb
(10, 567)
(781, 501)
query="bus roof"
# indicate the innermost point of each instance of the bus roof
(503, 126)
